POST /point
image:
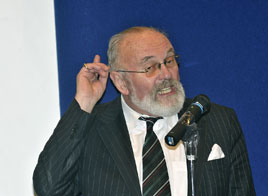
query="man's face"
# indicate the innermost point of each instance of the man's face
(158, 95)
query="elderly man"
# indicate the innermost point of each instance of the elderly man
(118, 148)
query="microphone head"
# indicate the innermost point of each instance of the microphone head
(199, 106)
(204, 101)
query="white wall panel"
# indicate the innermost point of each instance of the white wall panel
(29, 101)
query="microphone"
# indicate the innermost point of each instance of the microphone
(198, 107)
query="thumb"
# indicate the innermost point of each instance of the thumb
(97, 59)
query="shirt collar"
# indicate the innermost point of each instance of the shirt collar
(132, 118)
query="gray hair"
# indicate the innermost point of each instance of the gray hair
(115, 41)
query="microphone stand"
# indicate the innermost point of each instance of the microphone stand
(190, 140)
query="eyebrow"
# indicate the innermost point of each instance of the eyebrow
(171, 50)
(146, 58)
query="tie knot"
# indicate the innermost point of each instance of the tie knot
(150, 121)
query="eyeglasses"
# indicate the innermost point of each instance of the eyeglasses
(154, 68)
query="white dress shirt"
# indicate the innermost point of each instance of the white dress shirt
(174, 156)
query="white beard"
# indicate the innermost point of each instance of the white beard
(172, 105)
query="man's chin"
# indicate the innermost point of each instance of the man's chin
(159, 105)
(167, 100)
(172, 104)
(166, 107)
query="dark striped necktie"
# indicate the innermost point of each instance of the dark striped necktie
(155, 175)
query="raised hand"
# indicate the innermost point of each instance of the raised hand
(91, 83)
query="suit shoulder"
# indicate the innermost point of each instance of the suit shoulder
(221, 110)
(214, 108)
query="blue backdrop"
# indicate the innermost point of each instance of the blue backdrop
(223, 47)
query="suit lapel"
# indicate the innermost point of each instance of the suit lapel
(115, 136)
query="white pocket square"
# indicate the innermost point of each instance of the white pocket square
(216, 153)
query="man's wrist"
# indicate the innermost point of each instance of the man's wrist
(85, 104)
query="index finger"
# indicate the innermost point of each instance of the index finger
(97, 59)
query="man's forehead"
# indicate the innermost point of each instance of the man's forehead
(137, 47)
(147, 58)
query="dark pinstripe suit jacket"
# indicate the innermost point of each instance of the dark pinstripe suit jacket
(91, 154)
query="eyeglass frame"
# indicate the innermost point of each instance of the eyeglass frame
(176, 56)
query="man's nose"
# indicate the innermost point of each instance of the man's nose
(164, 72)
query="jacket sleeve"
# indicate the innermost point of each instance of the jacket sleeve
(56, 171)
(240, 181)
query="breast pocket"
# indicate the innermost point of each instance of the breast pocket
(215, 177)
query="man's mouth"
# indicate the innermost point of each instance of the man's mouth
(165, 91)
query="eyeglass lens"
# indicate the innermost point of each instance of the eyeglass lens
(155, 68)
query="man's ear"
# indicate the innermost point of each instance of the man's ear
(119, 83)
